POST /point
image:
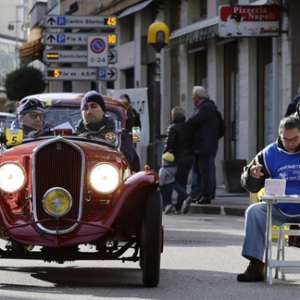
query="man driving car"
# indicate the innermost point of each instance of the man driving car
(95, 123)
(94, 120)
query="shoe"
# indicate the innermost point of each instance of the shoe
(254, 272)
(204, 200)
(186, 205)
(168, 209)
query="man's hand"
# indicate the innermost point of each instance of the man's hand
(256, 171)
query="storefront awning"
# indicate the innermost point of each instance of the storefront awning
(196, 32)
(133, 9)
(33, 49)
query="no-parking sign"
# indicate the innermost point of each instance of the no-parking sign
(97, 51)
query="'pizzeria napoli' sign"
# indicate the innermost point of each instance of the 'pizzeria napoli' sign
(249, 20)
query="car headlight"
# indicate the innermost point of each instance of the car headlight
(12, 177)
(57, 202)
(105, 178)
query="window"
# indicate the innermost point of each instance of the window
(201, 68)
(175, 15)
(129, 78)
(197, 10)
(126, 29)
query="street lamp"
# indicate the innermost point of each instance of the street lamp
(158, 37)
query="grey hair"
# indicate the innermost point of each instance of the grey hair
(289, 122)
(177, 113)
(200, 91)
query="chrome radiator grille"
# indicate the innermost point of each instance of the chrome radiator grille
(58, 164)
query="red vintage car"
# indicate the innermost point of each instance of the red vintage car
(62, 191)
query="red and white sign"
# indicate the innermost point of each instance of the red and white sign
(249, 20)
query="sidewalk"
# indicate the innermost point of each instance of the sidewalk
(225, 203)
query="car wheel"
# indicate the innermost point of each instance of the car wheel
(151, 240)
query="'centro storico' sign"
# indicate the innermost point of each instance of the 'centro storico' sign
(249, 20)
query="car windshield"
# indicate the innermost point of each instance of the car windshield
(57, 116)
(6, 121)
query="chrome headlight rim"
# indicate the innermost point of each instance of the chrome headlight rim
(23, 173)
(52, 214)
(99, 189)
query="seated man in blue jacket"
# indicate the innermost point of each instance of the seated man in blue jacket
(278, 160)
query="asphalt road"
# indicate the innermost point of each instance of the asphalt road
(200, 261)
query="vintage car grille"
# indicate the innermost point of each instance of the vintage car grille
(58, 164)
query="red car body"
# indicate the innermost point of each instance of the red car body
(127, 218)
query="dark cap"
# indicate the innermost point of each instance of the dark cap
(29, 104)
(93, 96)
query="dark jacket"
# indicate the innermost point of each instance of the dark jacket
(97, 129)
(204, 126)
(133, 119)
(292, 107)
(178, 139)
(250, 183)
(107, 125)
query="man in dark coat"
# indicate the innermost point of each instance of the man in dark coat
(96, 123)
(204, 125)
(94, 120)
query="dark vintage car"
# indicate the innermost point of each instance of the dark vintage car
(63, 191)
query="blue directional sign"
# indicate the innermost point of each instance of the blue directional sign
(55, 21)
(61, 38)
(107, 74)
(61, 20)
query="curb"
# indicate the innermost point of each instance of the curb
(217, 209)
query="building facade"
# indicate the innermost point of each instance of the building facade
(252, 80)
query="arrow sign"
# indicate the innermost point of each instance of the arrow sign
(71, 74)
(112, 56)
(74, 39)
(56, 21)
(63, 38)
(107, 74)
(65, 56)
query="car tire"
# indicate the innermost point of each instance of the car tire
(151, 240)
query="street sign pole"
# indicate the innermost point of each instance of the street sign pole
(101, 85)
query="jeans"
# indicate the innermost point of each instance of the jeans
(204, 184)
(195, 182)
(166, 193)
(183, 169)
(255, 228)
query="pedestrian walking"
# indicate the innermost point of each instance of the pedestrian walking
(167, 174)
(205, 124)
(178, 142)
